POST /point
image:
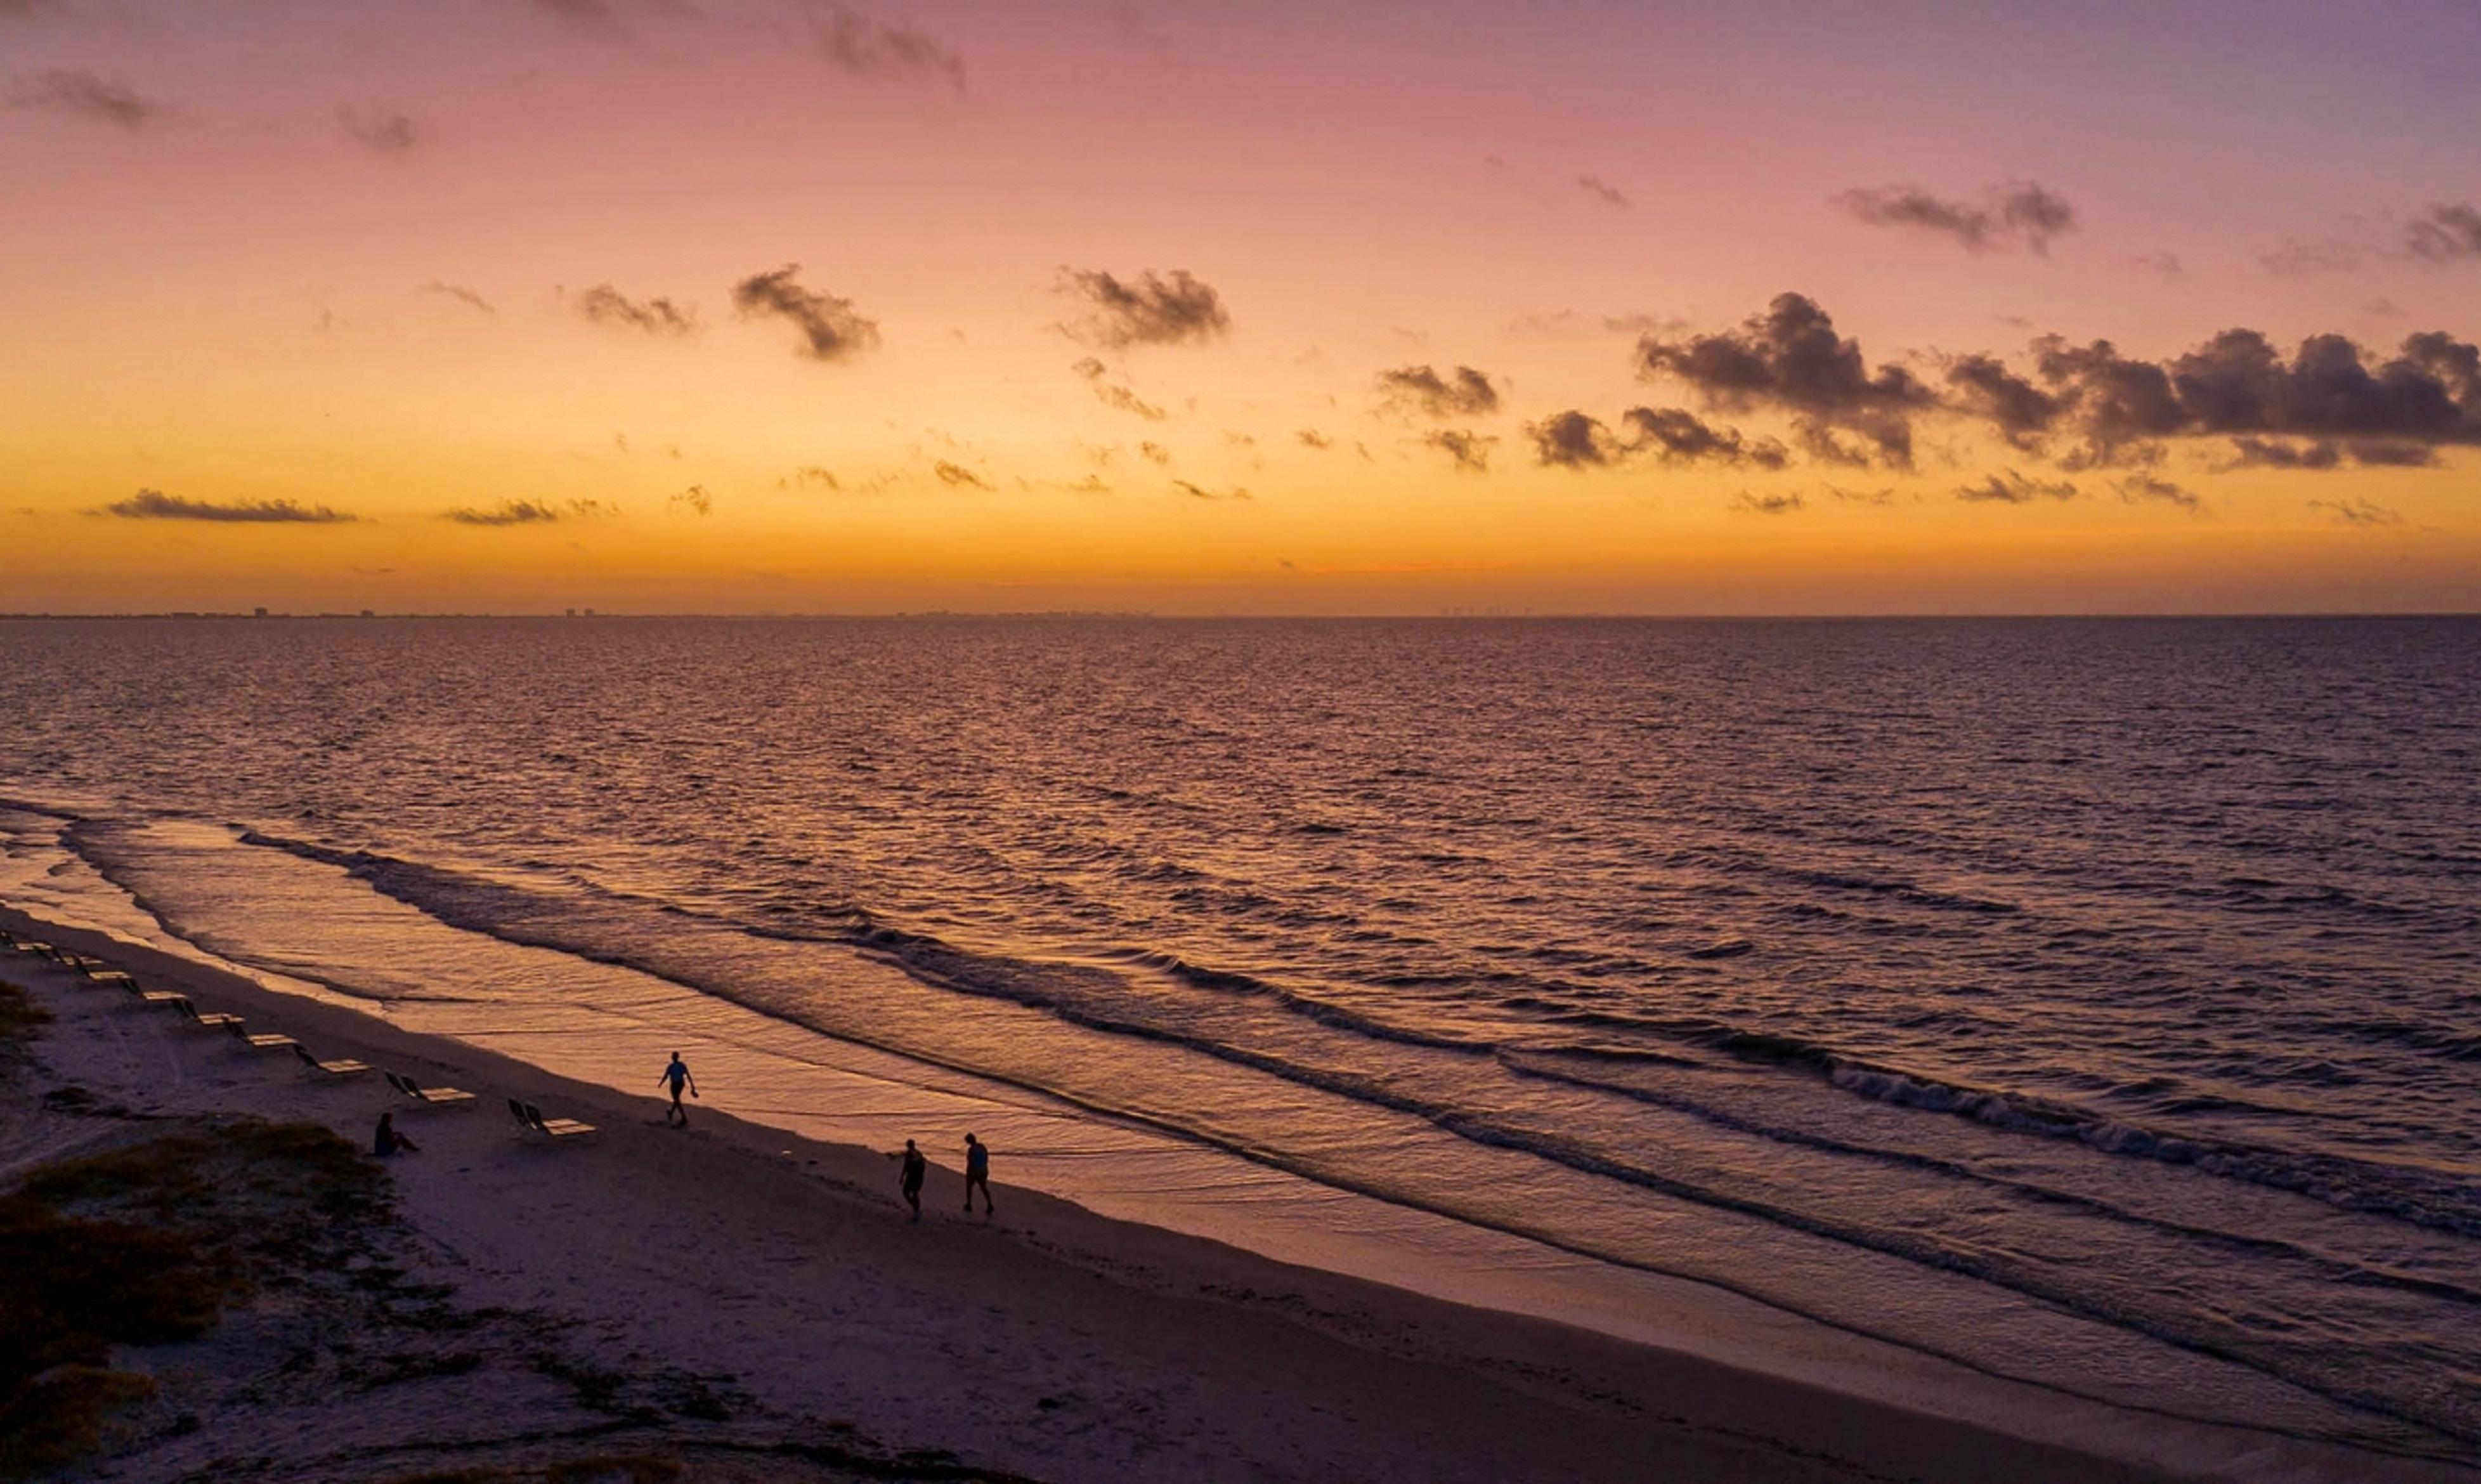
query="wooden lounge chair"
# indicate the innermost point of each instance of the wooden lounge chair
(30, 945)
(111, 979)
(211, 1022)
(90, 967)
(435, 1097)
(531, 1120)
(345, 1068)
(150, 995)
(264, 1043)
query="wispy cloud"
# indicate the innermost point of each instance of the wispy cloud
(1470, 452)
(2445, 234)
(1174, 308)
(1201, 492)
(462, 294)
(85, 94)
(605, 306)
(1461, 392)
(2140, 488)
(531, 512)
(2018, 214)
(384, 131)
(695, 500)
(957, 475)
(831, 328)
(1602, 191)
(1784, 503)
(1111, 394)
(865, 46)
(2011, 487)
(2357, 510)
(155, 505)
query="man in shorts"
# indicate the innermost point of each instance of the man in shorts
(677, 1076)
(978, 1174)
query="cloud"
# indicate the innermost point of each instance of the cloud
(1790, 357)
(2248, 453)
(2167, 263)
(87, 95)
(2357, 510)
(1200, 492)
(2018, 214)
(831, 328)
(1463, 392)
(1676, 436)
(2298, 259)
(384, 131)
(530, 512)
(1311, 438)
(1114, 394)
(1573, 440)
(1767, 504)
(462, 294)
(695, 500)
(954, 474)
(580, 13)
(1604, 192)
(1883, 495)
(2014, 488)
(605, 306)
(1149, 309)
(1155, 453)
(155, 505)
(1569, 324)
(2138, 488)
(892, 51)
(2444, 234)
(1981, 386)
(1470, 452)
(811, 476)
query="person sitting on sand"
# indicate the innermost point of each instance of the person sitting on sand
(908, 1178)
(387, 1141)
(978, 1173)
(677, 1076)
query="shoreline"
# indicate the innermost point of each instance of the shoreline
(1468, 1391)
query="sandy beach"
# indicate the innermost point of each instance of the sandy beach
(730, 1301)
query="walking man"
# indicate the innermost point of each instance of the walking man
(909, 1178)
(978, 1174)
(677, 1076)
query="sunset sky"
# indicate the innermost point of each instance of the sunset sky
(1579, 305)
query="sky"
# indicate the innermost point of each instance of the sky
(1266, 307)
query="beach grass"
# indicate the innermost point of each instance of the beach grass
(147, 1245)
(21, 1019)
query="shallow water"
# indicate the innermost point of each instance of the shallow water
(2087, 1002)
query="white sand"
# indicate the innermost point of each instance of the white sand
(1050, 1342)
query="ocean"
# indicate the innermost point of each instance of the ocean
(2091, 1003)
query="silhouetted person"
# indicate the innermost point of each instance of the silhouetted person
(677, 1076)
(909, 1178)
(387, 1141)
(978, 1174)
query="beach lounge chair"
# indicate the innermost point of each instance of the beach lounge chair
(264, 1043)
(90, 967)
(345, 1068)
(30, 945)
(435, 1097)
(211, 1022)
(146, 996)
(111, 979)
(531, 1120)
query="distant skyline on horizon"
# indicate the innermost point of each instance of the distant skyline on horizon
(1593, 309)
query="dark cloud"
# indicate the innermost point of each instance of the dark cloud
(831, 328)
(155, 505)
(955, 475)
(1201, 492)
(2357, 510)
(1112, 394)
(2276, 454)
(1792, 358)
(865, 46)
(2014, 488)
(530, 512)
(695, 500)
(1573, 440)
(1311, 438)
(603, 304)
(1602, 191)
(2444, 233)
(1676, 436)
(1463, 392)
(1884, 495)
(2018, 214)
(2136, 488)
(458, 292)
(385, 131)
(85, 94)
(1148, 309)
(1767, 504)
(1470, 452)
(1982, 386)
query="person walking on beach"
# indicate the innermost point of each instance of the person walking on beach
(677, 1076)
(908, 1178)
(978, 1174)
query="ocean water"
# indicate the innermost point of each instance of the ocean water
(2092, 1003)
